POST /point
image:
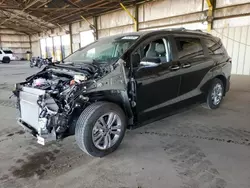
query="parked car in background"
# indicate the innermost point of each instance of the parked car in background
(6, 56)
(123, 81)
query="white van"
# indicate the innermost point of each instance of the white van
(6, 56)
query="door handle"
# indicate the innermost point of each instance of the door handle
(175, 68)
(186, 65)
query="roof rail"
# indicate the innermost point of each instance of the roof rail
(190, 30)
(177, 29)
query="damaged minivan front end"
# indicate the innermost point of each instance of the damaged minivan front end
(88, 94)
(50, 100)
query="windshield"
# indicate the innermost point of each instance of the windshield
(103, 51)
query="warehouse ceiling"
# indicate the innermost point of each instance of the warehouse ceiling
(33, 16)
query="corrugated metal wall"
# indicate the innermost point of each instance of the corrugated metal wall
(237, 42)
(17, 42)
(115, 23)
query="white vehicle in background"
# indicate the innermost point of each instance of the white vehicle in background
(6, 56)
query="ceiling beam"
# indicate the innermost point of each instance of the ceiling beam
(71, 3)
(1, 2)
(45, 3)
(49, 15)
(31, 20)
(83, 9)
(10, 7)
(51, 9)
(16, 13)
(26, 27)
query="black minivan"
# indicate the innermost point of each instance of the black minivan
(122, 81)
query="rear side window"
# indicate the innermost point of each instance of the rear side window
(7, 51)
(189, 48)
(215, 48)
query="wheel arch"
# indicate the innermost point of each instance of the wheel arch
(117, 97)
(224, 81)
(222, 77)
(114, 96)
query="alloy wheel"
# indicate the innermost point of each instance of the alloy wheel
(106, 131)
(217, 94)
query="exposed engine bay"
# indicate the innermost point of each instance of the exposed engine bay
(47, 99)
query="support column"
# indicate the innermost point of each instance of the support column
(71, 38)
(61, 48)
(210, 13)
(30, 48)
(0, 43)
(96, 27)
(40, 45)
(136, 17)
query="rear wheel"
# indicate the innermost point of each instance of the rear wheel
(215, 94)
(6, 60)
(100, 128)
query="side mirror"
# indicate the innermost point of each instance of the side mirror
(150, 61)
(136, 59)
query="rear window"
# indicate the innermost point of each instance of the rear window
(189, 48)
(214, 47)
(7, 51)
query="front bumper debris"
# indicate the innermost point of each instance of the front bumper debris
(41, 139)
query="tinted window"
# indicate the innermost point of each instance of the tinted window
(189, 48)
(214, 47)
(7, 52)
(156, 49)
(0, 52)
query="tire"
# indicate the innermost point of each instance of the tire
(86, 126)
(216, 89)
(6, 60)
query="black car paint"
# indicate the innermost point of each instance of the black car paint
(158, 85)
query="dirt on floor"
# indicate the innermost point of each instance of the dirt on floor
(197, 148)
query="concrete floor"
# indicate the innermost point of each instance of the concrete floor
(196, 148)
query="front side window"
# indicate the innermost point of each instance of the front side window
(103, 51)
(215, 48)
(189, 48)
(156, 49)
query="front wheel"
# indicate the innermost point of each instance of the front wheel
(100, 128)
(6, 60)
(215, 94)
